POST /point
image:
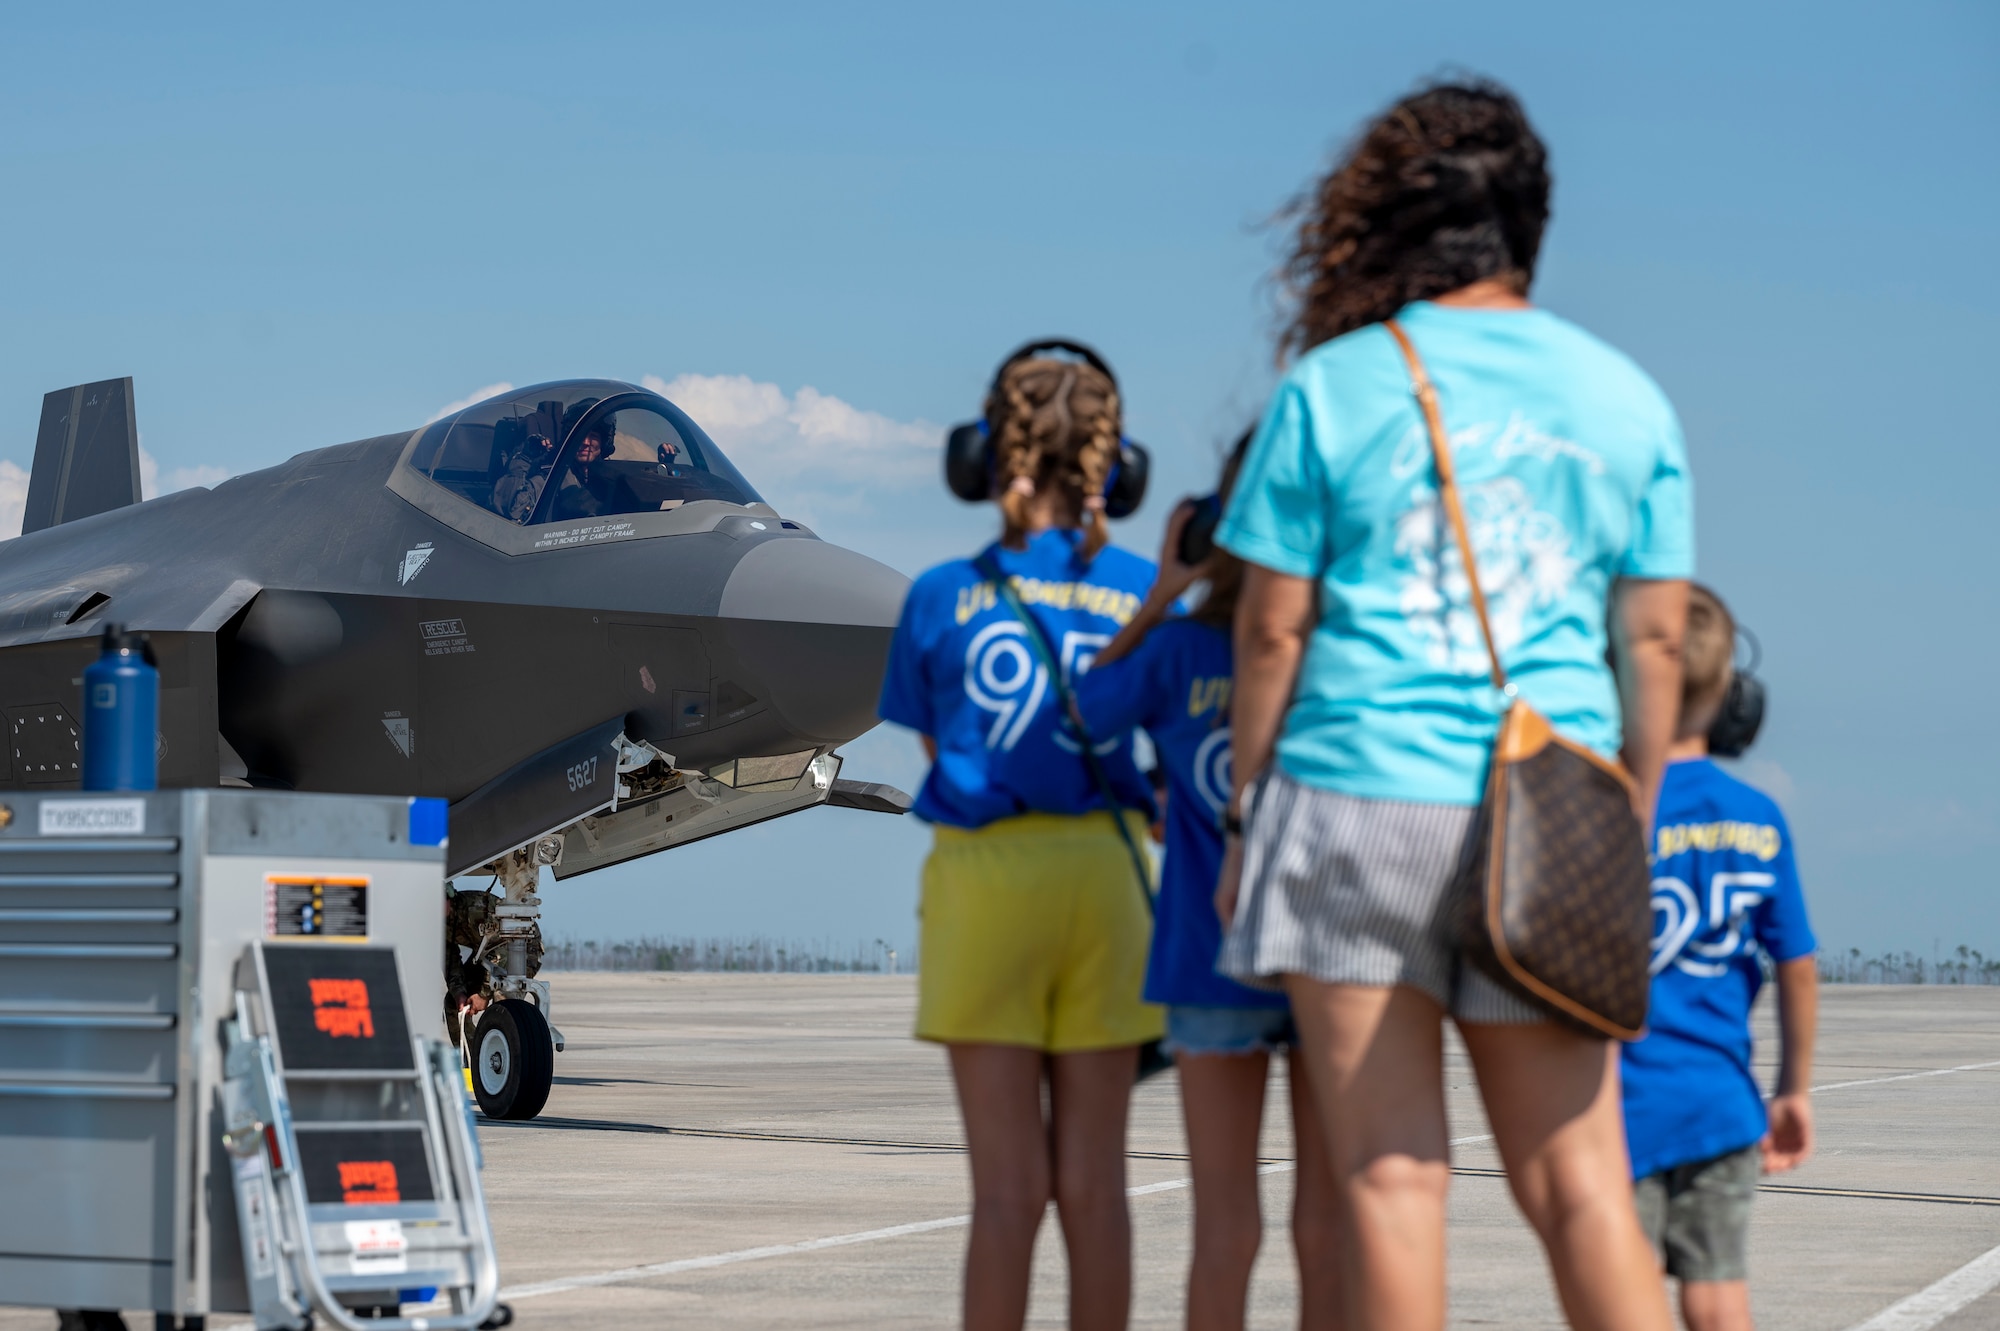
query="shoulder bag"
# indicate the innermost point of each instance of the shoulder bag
(1555, 902)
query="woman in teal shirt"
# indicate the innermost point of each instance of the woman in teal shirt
(1364, 719)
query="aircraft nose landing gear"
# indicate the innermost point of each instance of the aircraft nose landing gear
(512, 1049)
(513, 1060)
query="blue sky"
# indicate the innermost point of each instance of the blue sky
(299, 228)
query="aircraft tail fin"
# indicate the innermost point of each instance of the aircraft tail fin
(86, 455)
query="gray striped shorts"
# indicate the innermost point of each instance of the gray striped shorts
(1347, 890)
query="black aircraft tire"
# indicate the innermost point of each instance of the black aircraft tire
(513, 1060)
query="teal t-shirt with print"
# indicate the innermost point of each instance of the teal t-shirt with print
(1573, 472)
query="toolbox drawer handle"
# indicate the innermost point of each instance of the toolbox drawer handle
(108, 1091)
(66, 881)
(91, 951)
(134, 845)
(108, 915)
(108, 1021)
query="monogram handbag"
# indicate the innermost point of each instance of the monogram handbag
(1555, 902)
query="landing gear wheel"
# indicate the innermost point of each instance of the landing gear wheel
(513, 1060)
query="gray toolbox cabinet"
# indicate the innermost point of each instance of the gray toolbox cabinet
(122, 920)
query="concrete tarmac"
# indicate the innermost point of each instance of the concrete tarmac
(775, 1151)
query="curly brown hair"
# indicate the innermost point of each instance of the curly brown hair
(1448, 186)
(1055, 424)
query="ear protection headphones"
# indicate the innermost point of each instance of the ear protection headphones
(1197, 541)
(1742, 714)
(969, 463)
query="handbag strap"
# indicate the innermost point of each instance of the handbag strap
(989, 568)
(1427, 402)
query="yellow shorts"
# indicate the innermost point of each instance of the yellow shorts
(1034, 933)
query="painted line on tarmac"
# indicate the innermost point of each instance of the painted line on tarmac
(630, 1273)
(1877, 1195)
(1796, 1189)
(1906, 1076)
(1932, 1304)
(627, 1274)
(1978, 1277)
(730, 1134)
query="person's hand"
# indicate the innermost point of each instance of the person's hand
(1175, 577)
(1790, 1139)
(1644, 803)
(474, 1003)
(1230, 880)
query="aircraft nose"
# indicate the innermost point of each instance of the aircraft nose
(817, 618)
(811, 582)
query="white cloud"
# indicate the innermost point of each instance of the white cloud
(152, 484)
(807, 437)
(477, 395)
(187, 478)
(13, 499)
(857, 477)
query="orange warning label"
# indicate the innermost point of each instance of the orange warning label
(340, 1008)
(369, 1183)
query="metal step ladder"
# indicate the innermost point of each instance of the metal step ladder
(355, 1161)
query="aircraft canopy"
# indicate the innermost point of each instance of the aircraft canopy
(580, 448)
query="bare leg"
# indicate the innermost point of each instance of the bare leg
(1375, 1060)
(1089, 1096)
(1716, 1305)
(1000, 1098)
(1222, 1097)
(1552, 1098)
(1315, 1210)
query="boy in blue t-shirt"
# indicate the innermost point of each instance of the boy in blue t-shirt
(1725, 890)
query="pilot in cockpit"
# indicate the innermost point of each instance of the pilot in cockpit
(515, 493)
(587, 484)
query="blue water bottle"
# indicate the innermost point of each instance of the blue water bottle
(121, 709)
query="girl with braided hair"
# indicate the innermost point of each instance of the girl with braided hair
(1034, 916)
(1364, 715)
(1056, 441)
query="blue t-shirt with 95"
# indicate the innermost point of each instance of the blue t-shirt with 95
(1176, 685)
(963, 670)
(1725, 888)
(1572, 473)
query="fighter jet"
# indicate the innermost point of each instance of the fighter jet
(562, 609)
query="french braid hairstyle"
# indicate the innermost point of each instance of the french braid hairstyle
(1448, 186)
(1055, 426)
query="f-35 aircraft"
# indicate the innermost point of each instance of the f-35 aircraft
(561, 609)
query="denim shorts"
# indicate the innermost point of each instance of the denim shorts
(1698, 1216)
(1229, 1030)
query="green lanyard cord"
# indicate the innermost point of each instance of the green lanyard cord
(988, 568)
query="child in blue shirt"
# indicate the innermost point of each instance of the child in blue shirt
(1171, 674)
(1725, 895)
(1033, 918)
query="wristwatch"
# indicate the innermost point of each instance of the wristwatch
(1232, 824)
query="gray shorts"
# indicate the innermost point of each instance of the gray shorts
(1698, 1215)
(1348, 890)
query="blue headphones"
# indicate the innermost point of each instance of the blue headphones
(969, 463)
